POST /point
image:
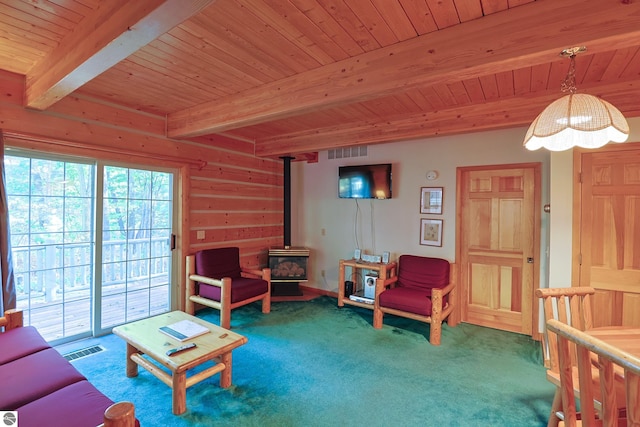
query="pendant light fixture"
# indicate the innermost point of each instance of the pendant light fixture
(576, 119)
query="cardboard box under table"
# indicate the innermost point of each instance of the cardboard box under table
(144, 337)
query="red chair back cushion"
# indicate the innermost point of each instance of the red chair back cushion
(422, 272)
(218, 263)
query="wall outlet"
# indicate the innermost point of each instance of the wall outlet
(200, 235)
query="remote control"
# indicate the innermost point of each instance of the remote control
(177, 350)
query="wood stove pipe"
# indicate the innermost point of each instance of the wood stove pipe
(287, 200)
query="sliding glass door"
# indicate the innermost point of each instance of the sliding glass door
(88, 260)
(136, 244)
(51, 218)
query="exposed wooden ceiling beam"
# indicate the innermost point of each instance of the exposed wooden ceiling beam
(116, 30)
(522, 36)
(473, 118)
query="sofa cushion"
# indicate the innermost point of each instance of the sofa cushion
(422, 272)
(242, 288)
(218, 263)
(19, 342)
(34, 376)
(79, 404)
(411, 300)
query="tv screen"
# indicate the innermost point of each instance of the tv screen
(365, 181)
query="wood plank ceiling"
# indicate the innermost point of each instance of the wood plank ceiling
(298, 76)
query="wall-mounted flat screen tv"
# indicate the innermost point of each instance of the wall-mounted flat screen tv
(365, 181)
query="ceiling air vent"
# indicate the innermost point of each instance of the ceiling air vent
(346, 152)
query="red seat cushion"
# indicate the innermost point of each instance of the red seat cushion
(79, 404)
(407, 299)
(242, 288)
(34, 376)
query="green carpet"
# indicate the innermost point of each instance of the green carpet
(313, 364)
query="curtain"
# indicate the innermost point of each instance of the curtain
(8, 294)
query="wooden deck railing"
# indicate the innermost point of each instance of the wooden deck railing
(49, 277)
(43, 272)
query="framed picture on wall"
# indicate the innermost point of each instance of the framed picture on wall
(431, 200)
(431, 232)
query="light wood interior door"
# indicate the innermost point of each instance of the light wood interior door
(498, 245)
(609, 235)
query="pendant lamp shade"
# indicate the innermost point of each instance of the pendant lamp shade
(577, 120)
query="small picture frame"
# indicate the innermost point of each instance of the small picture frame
(356, 254)
(431, 232)
(385, 257)
(431, 200)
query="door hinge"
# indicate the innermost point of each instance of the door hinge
(173, 242)
(580, 259)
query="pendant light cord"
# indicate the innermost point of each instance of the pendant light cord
(569, 82)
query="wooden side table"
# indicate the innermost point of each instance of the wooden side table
(385, 271)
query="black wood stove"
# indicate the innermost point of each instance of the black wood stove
(288, 264)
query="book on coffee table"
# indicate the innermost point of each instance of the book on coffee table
(184, 330)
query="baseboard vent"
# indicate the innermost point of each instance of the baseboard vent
(346, 152)
(79, 354)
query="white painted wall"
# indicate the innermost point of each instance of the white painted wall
(393, 225)
(561, 196)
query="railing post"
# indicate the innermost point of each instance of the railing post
(50, 280)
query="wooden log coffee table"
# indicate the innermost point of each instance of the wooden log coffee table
(143, 337)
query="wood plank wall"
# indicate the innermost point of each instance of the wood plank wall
(236, 198)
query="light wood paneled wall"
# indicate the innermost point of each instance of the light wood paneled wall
(224, 189)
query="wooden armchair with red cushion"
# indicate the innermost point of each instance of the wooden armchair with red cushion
(216, 279)
(422, 290)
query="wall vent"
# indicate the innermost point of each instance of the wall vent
(346, 152)
(79, 354)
